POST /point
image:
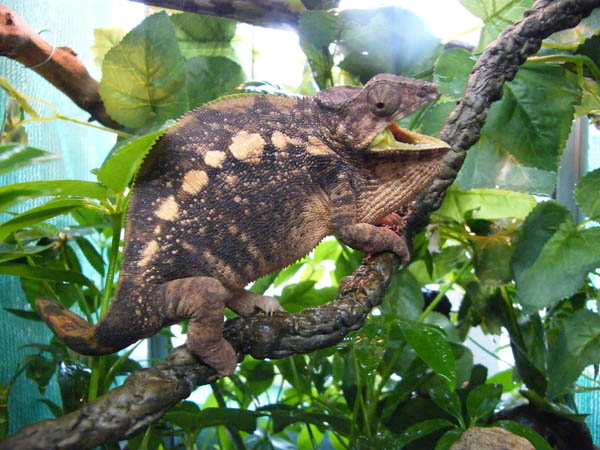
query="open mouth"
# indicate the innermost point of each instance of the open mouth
(395, 138)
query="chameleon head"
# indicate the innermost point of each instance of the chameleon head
(363, 119)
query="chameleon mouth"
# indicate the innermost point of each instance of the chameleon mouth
(395, 138)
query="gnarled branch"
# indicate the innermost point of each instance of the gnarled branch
(148, 394)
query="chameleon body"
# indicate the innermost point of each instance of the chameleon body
(248, 185)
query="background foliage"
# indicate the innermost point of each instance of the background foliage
(518, 263)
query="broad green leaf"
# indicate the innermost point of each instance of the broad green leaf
(403, 298)
(489, 204)
(14, 156)
(496, 16)
(104, 40)
(553, 257)
(451, 71)
(370, 37)
(200, 35)
(506, 379)
(430, 344)
(421, 429)
(576, 346)
(587, 194)
(492, 255)
(448, 401)
(143, 77)
(121, 167)
(489, 165)
(574, 36)
(209, 77)
(50, 209)
(433, 117)
(19, 192)
(45, 274)
(521, 430)
(317, 30)
(482, 400)
(533, 119)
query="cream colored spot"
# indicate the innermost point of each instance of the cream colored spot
(231, 179)
(247, 147)
(281, 141)
(317, 147)
(214, 158)
(148, 253)
(168, 209)
(194, 181)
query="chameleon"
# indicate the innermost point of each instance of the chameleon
(247, 185)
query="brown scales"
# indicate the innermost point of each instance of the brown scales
(245, 186)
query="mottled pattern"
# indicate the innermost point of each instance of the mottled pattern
(248, 185)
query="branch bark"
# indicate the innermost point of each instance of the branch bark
(60, 65)
(148, 394)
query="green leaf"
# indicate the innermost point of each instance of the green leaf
(45, 274)
(14, 156)
(553, 257)
(50, 209)
(489, 204)
(370, 40)
(259, 375)
(284, 415)
(91, 254)
(209, 77)
(23, 314)
(451, 71)
(489, 165)
(521, 430)
(586, 194)
(121, 166)
(575, 347)
(10, 252)
(40, 370)
(200, 35)
(19, 192)
(403, 298)
(492, 255)
(317, 30)
(449, 438)
(143, 77)
(430, 344)
(496, 15)
(104, 40)
(448, 401)
(238, 419)
(482, 400)
(573, 36)
(421, 429)
(533, 119)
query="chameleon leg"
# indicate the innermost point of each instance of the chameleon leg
(362, 236)
(202, 300)
(245, 302)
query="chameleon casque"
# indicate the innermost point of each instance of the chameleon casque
(247, 185)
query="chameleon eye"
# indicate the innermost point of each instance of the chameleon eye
(383, 100)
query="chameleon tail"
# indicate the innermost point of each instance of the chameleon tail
(75, 332)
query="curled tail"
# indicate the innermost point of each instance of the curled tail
(75, 332)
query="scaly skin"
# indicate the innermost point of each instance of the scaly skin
(245, 186)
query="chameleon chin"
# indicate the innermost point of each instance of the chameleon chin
(247, 185)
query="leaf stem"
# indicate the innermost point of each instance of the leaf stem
(445, 288)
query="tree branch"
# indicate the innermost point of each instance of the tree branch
(148, 394)
(60, 66)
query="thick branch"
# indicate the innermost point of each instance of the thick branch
(60, 66)
(265, 13)
(497, 65)
(148, 394)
